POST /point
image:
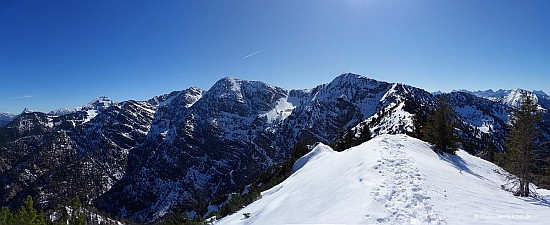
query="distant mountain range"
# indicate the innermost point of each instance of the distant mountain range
(513, 97)
(142, 160)
(5, 118)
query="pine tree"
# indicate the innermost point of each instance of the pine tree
(521, 144)
(27, 215)
(63, 218)
(6, 216)
(490, 152)
(77, 216)
(40, 219)
(439, 128)
(364, 135)
(419, 121)
(344, 142)
(348, 140)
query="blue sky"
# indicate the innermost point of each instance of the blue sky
(56, 54)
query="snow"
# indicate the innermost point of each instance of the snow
(392, 179)
(64, 111)
(476, 118)
(100, 103)
(395, 121)
(282, 110)
(235, 85)
(319, 151)
(514, 97)
(91, 114)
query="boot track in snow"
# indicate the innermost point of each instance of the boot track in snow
(402, 191)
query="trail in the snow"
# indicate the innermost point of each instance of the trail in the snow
(402, 191)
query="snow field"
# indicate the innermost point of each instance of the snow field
(392, 179)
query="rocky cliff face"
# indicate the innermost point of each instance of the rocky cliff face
(55, 158)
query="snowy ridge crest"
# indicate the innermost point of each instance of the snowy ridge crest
(320, 150)
(392, 179)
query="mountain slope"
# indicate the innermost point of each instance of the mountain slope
(392, 179)
(234, 131)
(144, 159)
(201, 145)
(5, 118)
(54, 158)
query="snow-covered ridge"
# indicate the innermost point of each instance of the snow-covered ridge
(513, 97)
(393, 179)
(7, 116)
(64, 111)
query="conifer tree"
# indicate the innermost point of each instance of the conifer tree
(490, 152)
(40, 219)
(77, 217)
(364, 135)
(348, 140)
(6, 216)
(345, 141)
(27, 215)
(521, 144)
(439, 128)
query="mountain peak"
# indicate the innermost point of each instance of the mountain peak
(346, 77)
(235, 85)
(228, 83)
(27, 110)
(101, 102)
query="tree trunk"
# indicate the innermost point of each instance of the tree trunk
(526, 189)
(521, 188)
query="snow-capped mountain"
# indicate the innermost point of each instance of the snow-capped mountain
(5, 118)
(63, 111)
(53, 157)
(144, 159)
(27, 110)
(200, 144)
(514, 97)
(392, 179)
(99, 103)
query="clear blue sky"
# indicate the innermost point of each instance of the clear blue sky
(57, 54)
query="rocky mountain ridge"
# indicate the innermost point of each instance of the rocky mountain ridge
(144, 159)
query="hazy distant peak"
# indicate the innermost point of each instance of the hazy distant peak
(101, 102)
(27, 110)
(540, 93)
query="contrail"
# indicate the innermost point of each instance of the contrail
(258, 52)
(20, 97)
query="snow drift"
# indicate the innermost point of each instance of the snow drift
(392, 179)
